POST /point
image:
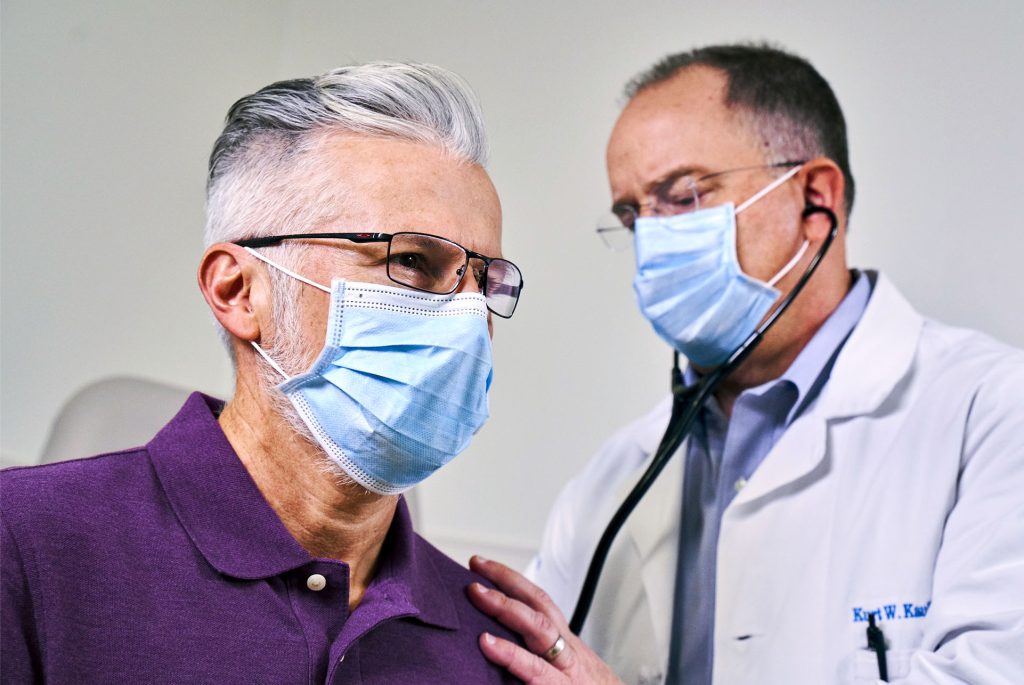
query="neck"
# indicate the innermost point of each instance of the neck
(789, 335)
(330, 516)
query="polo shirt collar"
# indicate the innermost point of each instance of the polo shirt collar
(407, 577)
(215, 498)
(240, 535)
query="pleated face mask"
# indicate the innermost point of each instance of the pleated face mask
(401, 385)
(689, 283)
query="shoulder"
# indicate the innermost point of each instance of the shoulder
(980, 369)
(627, 449)
(941, 349)
(589, 498)
(587, 503)
(66, 504)
(969, 350)
(37, 489)
(455, 580)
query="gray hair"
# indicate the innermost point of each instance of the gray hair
(262, 173)
(269, 135)
(786, 102)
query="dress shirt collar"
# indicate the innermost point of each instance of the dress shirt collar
(810, 369)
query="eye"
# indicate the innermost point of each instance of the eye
(409, 260)
(414, 268)
(626, 214)
(676, 196)
(680, 203)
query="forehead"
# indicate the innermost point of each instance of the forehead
(680, 124)
(388, 185)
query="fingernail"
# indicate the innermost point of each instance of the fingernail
(481, 588)
(482, 560)
(488, 638)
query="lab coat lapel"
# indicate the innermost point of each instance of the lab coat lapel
(876, 357)
(654, 531)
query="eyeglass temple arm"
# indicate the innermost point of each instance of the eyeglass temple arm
(266, 241)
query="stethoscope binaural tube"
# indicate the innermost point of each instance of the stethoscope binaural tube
(686, 404)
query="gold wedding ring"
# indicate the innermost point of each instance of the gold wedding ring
(555, 649)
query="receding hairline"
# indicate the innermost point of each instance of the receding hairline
(724, 86)
(741, 115)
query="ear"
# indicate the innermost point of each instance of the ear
(824, 186)
(235, 288)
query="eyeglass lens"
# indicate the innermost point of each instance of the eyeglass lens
(436, 265)
(504, 282)
(675, 196)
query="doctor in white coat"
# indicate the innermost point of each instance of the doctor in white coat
(864, 467)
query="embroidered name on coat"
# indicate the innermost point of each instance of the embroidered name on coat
(892, 612)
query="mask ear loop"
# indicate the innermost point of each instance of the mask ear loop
(270, 361)
(769, 188)
(291, 273)
(789, 266)
(294, 275)
(757, 196)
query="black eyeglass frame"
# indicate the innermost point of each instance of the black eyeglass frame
(270, 240)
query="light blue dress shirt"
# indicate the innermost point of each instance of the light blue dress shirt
(722, 454)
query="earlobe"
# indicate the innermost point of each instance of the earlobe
(226, 279)
(824, 186)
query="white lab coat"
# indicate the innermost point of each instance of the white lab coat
(901, 491)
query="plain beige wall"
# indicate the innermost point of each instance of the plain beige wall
(109, 110)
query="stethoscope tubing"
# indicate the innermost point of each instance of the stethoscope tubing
(686, 404)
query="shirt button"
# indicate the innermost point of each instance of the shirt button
(740, 484)
(316, 582)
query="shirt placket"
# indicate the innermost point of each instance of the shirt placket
(319, 592)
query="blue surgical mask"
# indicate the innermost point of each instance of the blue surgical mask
(401, 385)
(689, 283)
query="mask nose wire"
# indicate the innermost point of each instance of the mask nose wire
(294, 275)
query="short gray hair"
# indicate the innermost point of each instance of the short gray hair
(268, 136)
(262, 174)
(784, 99)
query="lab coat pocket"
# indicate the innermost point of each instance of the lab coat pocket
(862, 666)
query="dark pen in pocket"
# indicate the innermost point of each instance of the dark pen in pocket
(876, 643)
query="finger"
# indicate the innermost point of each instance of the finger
(538, 631)
(526, 666)
(516, 585)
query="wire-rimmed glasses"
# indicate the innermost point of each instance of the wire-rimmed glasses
(677, 194)
(430, 264)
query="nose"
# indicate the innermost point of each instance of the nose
(469, 282)
(648, 208)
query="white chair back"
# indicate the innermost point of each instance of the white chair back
(111, 414)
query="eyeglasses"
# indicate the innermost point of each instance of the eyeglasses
(677, 194)
(430, 264)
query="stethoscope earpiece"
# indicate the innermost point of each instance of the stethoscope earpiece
(810, 210)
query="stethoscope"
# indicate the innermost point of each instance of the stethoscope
(686, 404)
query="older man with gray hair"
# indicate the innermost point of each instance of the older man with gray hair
(264, 540)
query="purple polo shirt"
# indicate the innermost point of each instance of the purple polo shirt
(164, 564)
